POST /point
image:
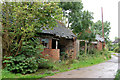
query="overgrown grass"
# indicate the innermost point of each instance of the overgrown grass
(83, 61)
(117, 77)
(38, 74)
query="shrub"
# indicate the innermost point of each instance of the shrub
(81, 52)
(107, 54)
(63, 56)
(21, 64)
(117, 77)
(28, 59)
(117, 49)
(93, 53)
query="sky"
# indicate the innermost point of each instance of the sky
(110, 13)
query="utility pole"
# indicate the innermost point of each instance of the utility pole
(102, 22)
(102, 26)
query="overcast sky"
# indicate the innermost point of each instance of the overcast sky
(110, 13)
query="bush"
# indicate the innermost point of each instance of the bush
(117, 77)
(93, 53)
(27, 60)
(63, 56)
(117, 49)
(81, 52)
(107, 54)
(82, 57)
(21, 64)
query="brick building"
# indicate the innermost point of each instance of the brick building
(100, 42)
(59, 39)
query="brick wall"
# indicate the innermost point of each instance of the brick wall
(75, 50)
(99, 46)
(77, 47)
(69, 47)
(51, 54)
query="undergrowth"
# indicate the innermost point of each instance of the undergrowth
(51, 68)
(117, 77)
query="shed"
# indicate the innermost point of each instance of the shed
(57, 41)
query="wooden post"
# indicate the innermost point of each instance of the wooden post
(79, 44)
(56, 44)
(74, 54)
(78, 47)
(50, 44)
(85, 47)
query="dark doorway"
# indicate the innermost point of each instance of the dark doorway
(53, 44)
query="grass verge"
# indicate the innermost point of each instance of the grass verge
(59, 67)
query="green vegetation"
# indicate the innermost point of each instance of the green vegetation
(23, 64)
(38, 74)
(21, 22)
(79, 20)
(98, 29)
(117, 48)
(117, 77)
(50, 68)
(111, 51)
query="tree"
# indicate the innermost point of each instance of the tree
(98, 29)
(71, 10)
(22, 20)
(78, 20)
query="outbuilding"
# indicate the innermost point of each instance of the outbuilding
(57, 41)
